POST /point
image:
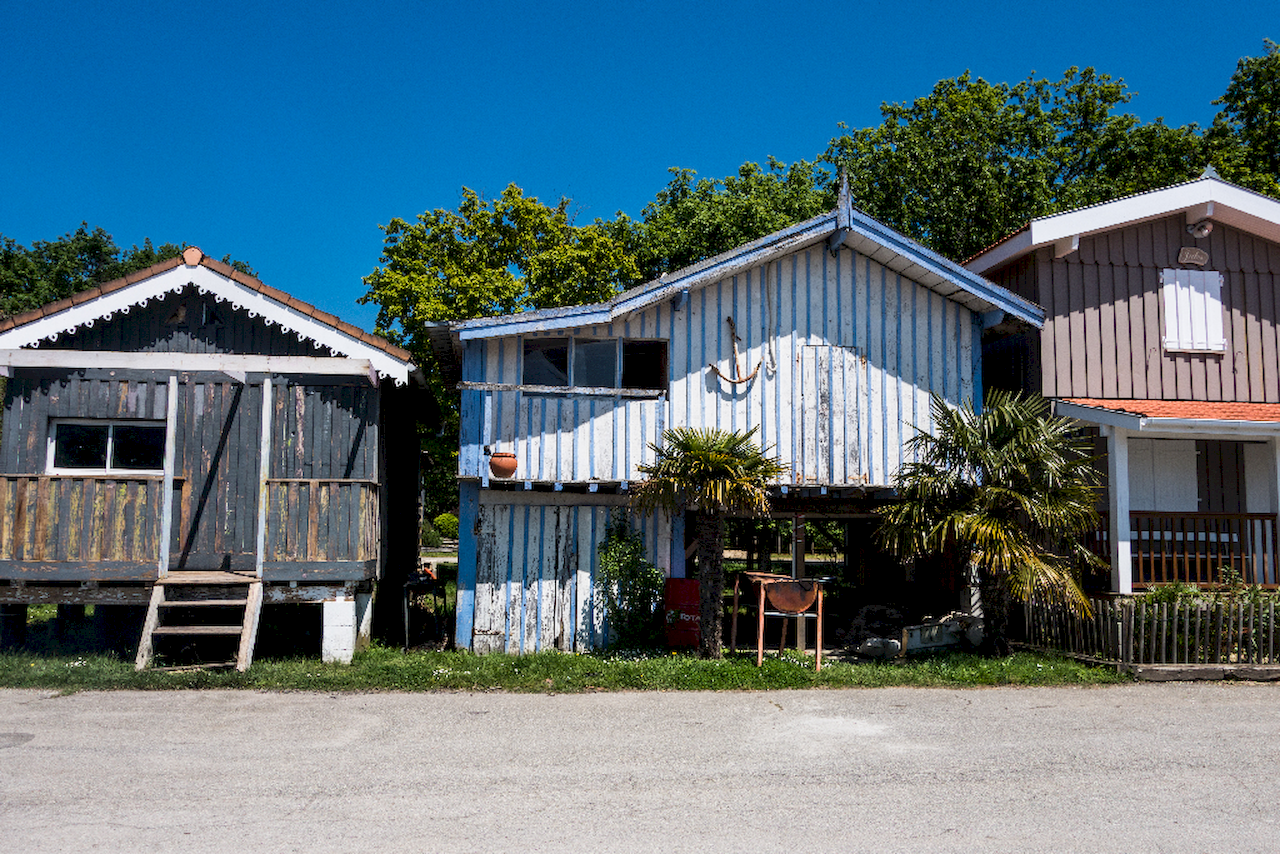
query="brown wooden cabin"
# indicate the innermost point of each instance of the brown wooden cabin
(189, 425)
(1163, 314)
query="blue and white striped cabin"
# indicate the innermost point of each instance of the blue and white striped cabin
(828, 338)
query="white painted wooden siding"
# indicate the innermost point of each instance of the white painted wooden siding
(535, 571)
(848, 354)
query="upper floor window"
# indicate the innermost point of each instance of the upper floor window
(106, 447)
(1193, 311)
(595, 363)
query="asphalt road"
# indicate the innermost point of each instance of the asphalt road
(1170, 767)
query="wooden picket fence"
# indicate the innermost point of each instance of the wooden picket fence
(1127, 631)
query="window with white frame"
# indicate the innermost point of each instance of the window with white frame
(106, 447)
(1193, 311)
(595, 363)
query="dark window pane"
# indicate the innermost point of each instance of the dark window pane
(546, 361)
(595, 363)
(644, 364)
(138, 446)
(80, 446)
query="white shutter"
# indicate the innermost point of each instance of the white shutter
(1193, 311)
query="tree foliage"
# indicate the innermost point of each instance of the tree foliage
(51, 270)
(714, 473)
(1010, 490)
(972, 161)
(1245, 135)
(691, 220)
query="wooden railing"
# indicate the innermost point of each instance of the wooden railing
(80, 519)
(1216, 629)
(318, 520)
(1196, 548)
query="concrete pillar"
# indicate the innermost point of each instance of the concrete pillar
(364, 620)
(338, 641)
(1118, 509)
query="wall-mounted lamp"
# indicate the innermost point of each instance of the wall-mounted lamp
(680, 300)
(1200, 229)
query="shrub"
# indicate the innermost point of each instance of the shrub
(430, 537)
(629, 588)
(447, 525)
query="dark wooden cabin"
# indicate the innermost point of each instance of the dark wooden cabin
(188, 433)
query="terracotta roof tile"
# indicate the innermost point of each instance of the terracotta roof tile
(55, 307)
(1186, 409)
(218, 267)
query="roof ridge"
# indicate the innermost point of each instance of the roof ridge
(222, 269)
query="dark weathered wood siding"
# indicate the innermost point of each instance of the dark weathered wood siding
(1102, 338)
(323, 482)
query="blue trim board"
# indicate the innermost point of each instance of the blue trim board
(468, 515)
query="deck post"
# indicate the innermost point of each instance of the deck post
(1118, 508)
(165, 534)
(798, 549)
(1271, 573)
(264, 471)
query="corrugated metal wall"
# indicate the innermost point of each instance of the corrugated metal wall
(536, 559)
(1103, 335)
(848, 351)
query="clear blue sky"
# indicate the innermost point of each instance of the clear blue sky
(284, 133)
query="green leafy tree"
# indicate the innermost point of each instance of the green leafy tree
(972, 161)
(1009, 491)
(691, 220)
(55, 269)
(488, 257)
(1245, 135)
(715, 474)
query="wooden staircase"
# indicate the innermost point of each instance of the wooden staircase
(193, 605)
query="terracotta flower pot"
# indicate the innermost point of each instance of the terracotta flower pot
(502, 464)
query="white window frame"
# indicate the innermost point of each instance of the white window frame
(618, 368)
(1193, 320)
(110, 424)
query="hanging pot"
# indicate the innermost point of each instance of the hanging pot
(502, 464)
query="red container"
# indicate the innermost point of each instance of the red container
(683, 607)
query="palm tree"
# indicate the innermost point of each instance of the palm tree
(715, 473)
(1008, 490)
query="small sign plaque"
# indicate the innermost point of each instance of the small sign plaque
(1193, 255)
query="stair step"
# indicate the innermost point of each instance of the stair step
(203, 603)
(197, 630)
(195, 668)
(211, 577)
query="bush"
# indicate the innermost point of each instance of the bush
(447, 525)
(629, 588)
(430, 537)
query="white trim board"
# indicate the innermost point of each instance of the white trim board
(1210, 198)
(227, 363)
(223, 289)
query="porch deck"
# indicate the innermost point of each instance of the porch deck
(1198, 548)
(97, 528)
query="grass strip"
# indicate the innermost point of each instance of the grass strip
(382, 669)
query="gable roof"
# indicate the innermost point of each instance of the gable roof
(1208, 197)
(845, 225)
(225, 284)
